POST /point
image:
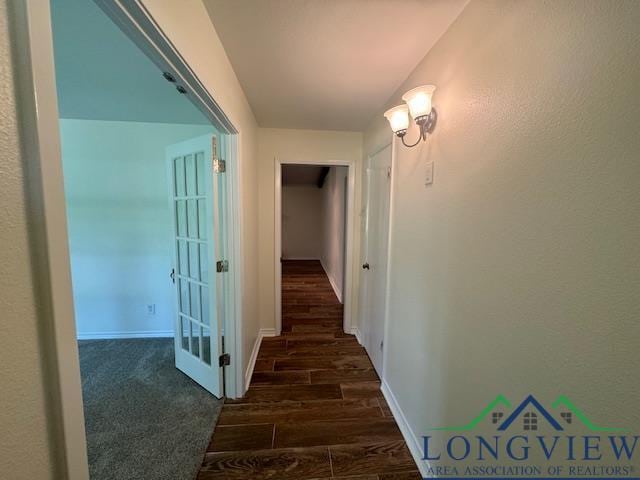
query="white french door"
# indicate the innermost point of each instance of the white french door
(376, 234)
(197, 194)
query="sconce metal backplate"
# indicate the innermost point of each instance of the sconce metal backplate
(426, 123)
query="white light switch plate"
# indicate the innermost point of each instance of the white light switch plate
(428, 178)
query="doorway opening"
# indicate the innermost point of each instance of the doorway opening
(313, 248)
(314, 215)
(149, 205)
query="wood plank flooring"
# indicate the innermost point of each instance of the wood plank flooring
(314, 409)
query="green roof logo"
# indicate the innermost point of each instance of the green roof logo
(531, 410)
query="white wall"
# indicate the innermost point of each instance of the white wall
(301, 222)
(292, 145)
(518, 270)
(333, 227)
(187, 25)
(25, 373)
(120, 224)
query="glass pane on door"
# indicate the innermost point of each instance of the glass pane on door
(179, 185)
(184, 333)
(206, 345)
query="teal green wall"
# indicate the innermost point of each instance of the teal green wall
(119, 223)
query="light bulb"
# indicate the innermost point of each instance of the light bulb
(419, 100)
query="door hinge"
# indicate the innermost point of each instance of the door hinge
(219, 166)
(224, 360)
(222, 266)
(388, 172)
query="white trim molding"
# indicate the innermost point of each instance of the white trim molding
(262, 333)
(390, 239)
(124, 334)
(356, 331)
(333, 283)
(412, 440)
(40, 144)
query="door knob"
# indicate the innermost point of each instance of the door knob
(172, 275)
(365, 266)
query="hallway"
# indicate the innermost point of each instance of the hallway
(314, 409)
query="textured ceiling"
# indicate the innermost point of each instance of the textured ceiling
(102, 75)
(326, 64)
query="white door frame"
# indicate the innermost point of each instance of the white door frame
(31, 20)
(387, 296)
(347, 295)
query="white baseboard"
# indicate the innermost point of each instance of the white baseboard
(337, 291)
(268, 332)
(124, 334)
(301, 258)
(356, 331)
(262, 333)
(413, 441)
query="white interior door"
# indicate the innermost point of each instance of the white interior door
(376, 234)
(198, 222)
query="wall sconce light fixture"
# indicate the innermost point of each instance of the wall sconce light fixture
(418, 104)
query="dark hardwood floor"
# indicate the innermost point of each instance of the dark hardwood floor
(314, 409)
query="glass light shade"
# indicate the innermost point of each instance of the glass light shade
(398, 118)
(419, 100)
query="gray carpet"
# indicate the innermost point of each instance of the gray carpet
(144, 418)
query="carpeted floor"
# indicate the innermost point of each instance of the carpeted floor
(144, 418)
